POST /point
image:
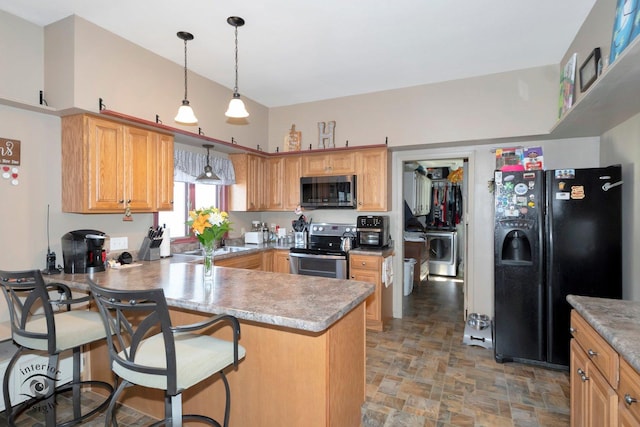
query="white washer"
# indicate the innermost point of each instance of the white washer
(443, 252)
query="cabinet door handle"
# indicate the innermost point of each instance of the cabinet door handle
(583, 376)
(121, 201)
(572, 330)
(592, 353)
(629, 400)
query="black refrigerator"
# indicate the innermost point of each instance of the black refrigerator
(556, 232)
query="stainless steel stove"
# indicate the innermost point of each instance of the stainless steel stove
(324, 255)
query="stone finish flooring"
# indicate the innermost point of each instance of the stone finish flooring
(419, 374)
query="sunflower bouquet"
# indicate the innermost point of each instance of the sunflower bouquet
(209, 225)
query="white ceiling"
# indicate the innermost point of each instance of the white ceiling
(294, 51)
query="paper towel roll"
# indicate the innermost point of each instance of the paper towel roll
(165, 246)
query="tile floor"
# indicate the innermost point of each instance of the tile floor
(419, 374)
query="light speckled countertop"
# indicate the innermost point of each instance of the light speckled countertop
(305, 303)
(618, 321)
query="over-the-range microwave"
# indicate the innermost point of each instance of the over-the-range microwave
(329, 192)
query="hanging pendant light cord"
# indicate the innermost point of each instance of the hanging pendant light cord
(185, 69)
(235, 88)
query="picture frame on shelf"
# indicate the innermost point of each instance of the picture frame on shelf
(567, 85)
(589, 70)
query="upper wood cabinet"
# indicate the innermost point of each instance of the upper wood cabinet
(283, 192)
(338, 163)
(273, 183)
(164, 171)
(275, 173)
(108, 166)
(292, 171)
(372, 179)
(249, 191)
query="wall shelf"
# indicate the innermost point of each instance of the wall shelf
(611, 100)
(195, 139)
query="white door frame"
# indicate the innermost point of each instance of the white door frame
(397, 215)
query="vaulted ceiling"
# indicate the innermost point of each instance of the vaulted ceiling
(294, 51)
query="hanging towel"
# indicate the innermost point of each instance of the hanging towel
(387, 271)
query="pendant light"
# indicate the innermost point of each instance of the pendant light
(208, 176)
(185, 114)
(236, 106)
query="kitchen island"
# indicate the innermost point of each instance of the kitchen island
(304, 336)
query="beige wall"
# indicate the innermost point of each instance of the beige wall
(21, 47)
(24, 206)
(511, 104)
(136, 82)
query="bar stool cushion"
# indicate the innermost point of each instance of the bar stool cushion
(197, 357)
(73, 329)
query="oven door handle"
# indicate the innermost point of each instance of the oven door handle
(299, 255)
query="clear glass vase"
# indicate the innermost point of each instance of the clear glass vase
(208, 251)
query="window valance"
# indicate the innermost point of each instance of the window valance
(189, 165)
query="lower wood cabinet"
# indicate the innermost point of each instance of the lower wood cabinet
(281, 261)
(250, 261)
(595, 368)
(368, 268)
(628, 395)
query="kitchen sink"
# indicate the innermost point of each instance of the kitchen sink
(196, 254)
(219, 251)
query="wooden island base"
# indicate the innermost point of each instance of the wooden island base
(288, 378)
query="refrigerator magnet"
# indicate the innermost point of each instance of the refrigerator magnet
(577, 192)
(563, 195)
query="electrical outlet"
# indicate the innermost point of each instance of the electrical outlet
(119, 243)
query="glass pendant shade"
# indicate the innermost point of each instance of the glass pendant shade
(236, 108)
(185, 115)
(208, 176)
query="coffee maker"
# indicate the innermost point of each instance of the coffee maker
(83, 251)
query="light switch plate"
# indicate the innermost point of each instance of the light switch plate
(119, 243)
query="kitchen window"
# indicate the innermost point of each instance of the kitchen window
(188, 196)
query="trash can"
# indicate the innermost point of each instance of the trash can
(408, 275)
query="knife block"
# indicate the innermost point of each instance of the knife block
(150, 249)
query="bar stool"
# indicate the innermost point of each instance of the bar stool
(146, 350)
(36, 326)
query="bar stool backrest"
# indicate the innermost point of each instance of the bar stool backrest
(130, 317)
(28, 299)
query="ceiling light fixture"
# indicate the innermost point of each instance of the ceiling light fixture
(236, 106)
(185, 114)
(208, 177)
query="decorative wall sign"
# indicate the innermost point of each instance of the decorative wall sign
(9, 152)
(326, 135)
(293, 139)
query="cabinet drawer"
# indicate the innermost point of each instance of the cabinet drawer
(599, 351)
(629, 388)
(364, 262)
(249, 262)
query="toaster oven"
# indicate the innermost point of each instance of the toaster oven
(373, 231)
